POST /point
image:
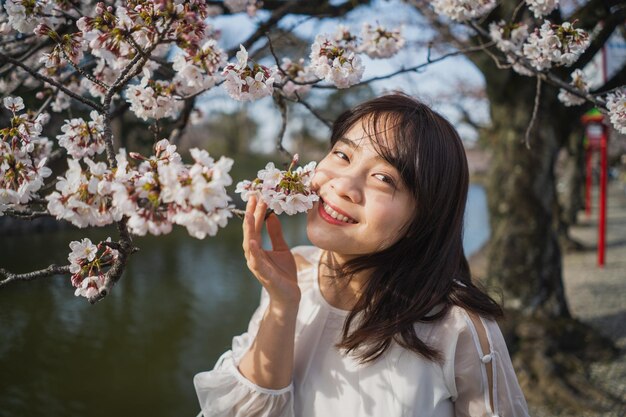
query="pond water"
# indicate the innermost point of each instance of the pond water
(173, 313)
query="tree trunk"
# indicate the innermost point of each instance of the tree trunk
(524, 257)
(550, 349)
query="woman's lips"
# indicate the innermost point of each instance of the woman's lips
(333, 216)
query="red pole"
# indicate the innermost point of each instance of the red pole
(602, 213)
(588, 178)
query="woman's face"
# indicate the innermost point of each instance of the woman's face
(364, 204)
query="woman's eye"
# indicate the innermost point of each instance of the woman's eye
(385, 178)
(341, 155)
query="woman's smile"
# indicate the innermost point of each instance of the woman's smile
(333, 215)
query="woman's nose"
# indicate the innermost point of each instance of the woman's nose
(346, 187)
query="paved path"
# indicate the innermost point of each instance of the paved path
(596, 295)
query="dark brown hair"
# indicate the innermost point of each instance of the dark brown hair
(425, 272)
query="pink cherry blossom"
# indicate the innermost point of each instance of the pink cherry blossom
(249, 81)
(463, 10)
(334, 63)
(283, 191)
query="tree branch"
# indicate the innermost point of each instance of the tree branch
(314, 112)
(282, 106)
(29, 276)
(183, 121)
(53, 82)
(26, 214)
(113, 275)
(416, 68)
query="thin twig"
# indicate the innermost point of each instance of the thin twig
(533, 118)
(53, 82)
(29, 276)
(183, 122)
(312, 110)
(45, 105)
(282, 106)
(239, 213)
(517, 10)
(81, 71)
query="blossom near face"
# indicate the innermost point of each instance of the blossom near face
(364, 205)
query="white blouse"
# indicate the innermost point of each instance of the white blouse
(400, 383)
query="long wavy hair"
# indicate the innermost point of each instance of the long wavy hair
(423, 274)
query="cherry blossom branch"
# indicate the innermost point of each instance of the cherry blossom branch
(81, 71)
(183, 121)
(312, 110)
(416, 68)
(44, 105)
(26, 214)
(27, 54)
(276, 16)
(29, 276)
(517, 10)
(149, 57)
(113, 275)
(53, 82)
(282, 106)
(545, 76)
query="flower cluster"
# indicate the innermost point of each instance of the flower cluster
(283, 191)
(542, 7)
(616, 104)
(247, 82)
(68, 46)
(84, 197)
(159, 192)
(379, 42)
(116, 34)
(299, 77)
(82, 138)
(508, 37)
(579, 82)
(463, 10)
(345, 39)
(198, 71)
(335, 63)
(25, 15)
(87, 263)
(23, 156)
(555, 45)
(153, 98)
(163, 191)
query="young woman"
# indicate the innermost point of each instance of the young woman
(380, 317)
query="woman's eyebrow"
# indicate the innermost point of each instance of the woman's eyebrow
(347, 141)
(352, 144)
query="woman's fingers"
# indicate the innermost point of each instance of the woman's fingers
(275, 230)
(259, 219)
(248, 224)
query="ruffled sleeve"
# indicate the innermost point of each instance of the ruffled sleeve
(484, 378)
(225, 392)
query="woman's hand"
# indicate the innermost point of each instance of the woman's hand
(275, 269)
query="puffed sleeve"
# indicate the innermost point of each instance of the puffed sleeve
(225, 392)
(485, 381)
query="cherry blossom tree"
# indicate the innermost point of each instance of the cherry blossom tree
(156, 58)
